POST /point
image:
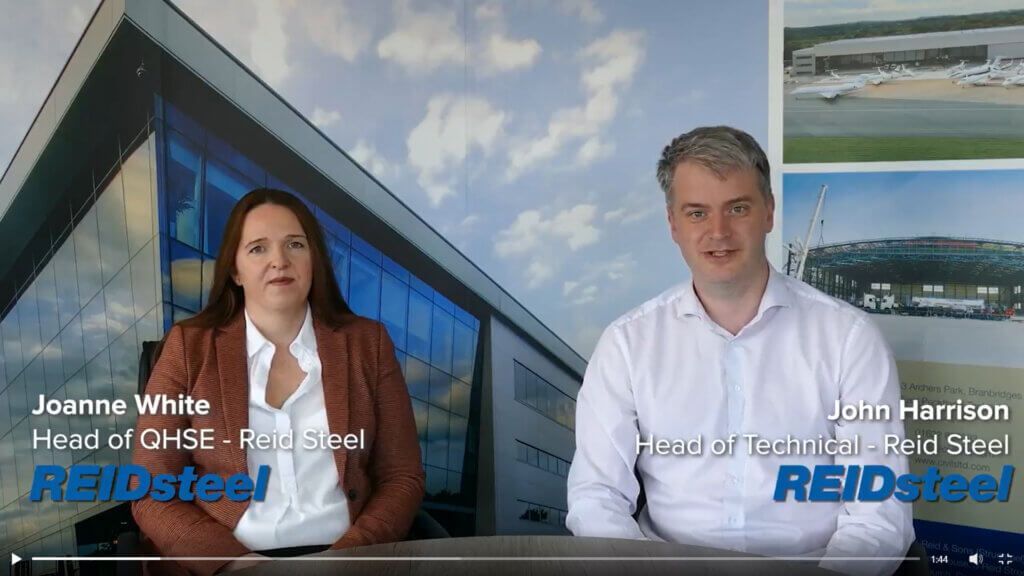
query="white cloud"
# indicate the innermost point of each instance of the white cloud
(592, 150)
(489, 12)
(585, 10)
(334, 29)
(323, 118)
(423, 41)
(537, 273)
(452, 127)
(568, 286)
(611, 63)
(530, 231)
(638, 205)
(502, 54)
(268, 42)
(368, 157)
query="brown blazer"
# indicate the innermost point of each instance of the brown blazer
(363, 389)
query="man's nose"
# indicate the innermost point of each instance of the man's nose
(720, 227)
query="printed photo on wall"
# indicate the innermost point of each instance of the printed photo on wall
(913, 82)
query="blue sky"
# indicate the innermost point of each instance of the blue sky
(858, 206)
(525, 132)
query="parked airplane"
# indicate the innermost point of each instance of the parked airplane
(964, 73)
(976, 80)
(957, 68)
(830, 91)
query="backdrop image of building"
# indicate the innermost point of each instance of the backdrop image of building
(974, 45)
(111, 214)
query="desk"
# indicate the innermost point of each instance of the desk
(519, 555)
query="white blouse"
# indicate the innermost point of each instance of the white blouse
(294, 513)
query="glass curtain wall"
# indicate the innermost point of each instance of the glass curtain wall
(73, 333)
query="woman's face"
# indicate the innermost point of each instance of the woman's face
(273, 264)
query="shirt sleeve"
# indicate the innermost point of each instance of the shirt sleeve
(602, 488)
(870, 529)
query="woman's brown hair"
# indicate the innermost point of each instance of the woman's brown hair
(227, 299)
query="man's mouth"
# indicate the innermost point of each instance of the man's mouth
(719, 254)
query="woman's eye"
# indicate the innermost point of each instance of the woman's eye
(297, 244)
(256, 249)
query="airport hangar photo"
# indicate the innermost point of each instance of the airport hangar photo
(917, 49)
(927, 275)
(111, 212)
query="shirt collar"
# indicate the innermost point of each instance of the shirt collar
(776, 294)
(305, 340)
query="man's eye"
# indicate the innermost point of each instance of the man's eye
(695, 214)
(740, 209)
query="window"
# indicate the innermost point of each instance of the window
(937, 288)
(541, 514)
(1016, 289)
(982, 289)
(927, 287)
(886, 286)
(538, 393)
(540, 459)
(876, 286)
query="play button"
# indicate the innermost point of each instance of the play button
(15, 559)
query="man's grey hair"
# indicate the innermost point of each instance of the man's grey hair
(721, 149)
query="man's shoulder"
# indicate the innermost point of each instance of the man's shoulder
(810, 300)
(652, 310)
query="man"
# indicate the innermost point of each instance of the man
(741, 349)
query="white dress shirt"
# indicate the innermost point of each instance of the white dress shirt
(666, 369)
(313, 511)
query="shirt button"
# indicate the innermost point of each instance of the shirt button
(736, 387)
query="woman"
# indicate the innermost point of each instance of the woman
(277, 350)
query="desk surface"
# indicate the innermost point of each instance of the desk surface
(533, 555)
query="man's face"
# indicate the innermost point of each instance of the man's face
(720, 224)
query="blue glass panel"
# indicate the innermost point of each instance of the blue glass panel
(441, 340)
(437, 437)
(417, 378)
(66, 276)
(421, 287)
(28, 315)
(419, 411)
(364, 295)
(227, 154)
(463, 352)
(460, 397)
(394, 308)
(440, 389)
(13, 361)
(87, 257)
(113, 230)
(400, 358)
(396, 270)
(437, 482)
(464, 316)
(443, 303)
(182, 122)
(340, 257)
(94, 327)
(420, 314)
(454, 480)
(53, 367)
(18, 396)
(184, 166)
(72, 347)
(5, 421)
(366, 249)
(186, 277)
(457, 442)
(224, 187)
(120, 309)
(273, 182)
(334, 227)
(46, 296)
